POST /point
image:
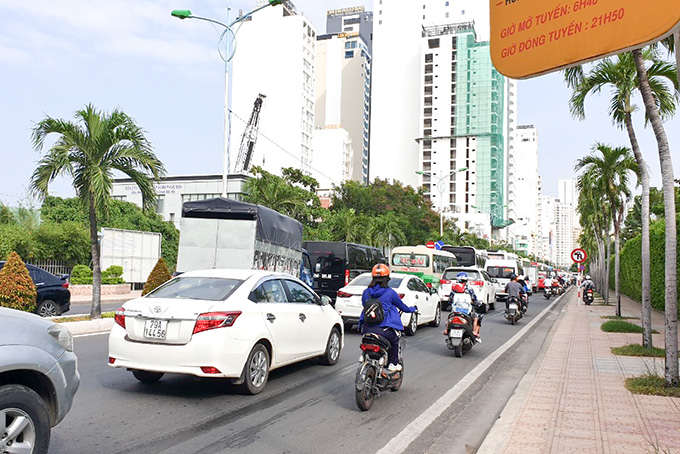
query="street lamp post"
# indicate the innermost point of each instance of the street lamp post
(440, 188)
(229, 35)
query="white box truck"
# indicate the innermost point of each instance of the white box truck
(225, 233)
(136, 251)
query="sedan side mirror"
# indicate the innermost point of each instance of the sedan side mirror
(325, 300)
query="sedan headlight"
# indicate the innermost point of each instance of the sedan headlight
(62, 335)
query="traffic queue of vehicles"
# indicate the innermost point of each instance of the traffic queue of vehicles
(245, 301)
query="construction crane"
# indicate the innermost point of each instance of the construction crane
(245, 151)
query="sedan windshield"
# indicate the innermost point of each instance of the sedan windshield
(197, 288)
(363, 281)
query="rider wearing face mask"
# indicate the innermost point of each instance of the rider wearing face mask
(391, 303)
(462, 278)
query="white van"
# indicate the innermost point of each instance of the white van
(500, 270)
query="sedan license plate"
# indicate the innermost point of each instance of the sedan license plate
(456, 333)
(155, 329)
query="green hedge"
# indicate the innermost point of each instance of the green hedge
(631, 266)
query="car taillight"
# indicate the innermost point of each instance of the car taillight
(458, 320)
(210, 370)
(444, 281)
(112, 360)
(369, 348)
(342, 294)
(346, 277)
(429, 285)
(119, 317)
(477, 283)
(401, 295)
(211, 320)
(65, 285)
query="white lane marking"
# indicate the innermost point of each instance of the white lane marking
(403, 439)
(90, 334)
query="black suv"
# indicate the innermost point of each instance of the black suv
(54, 297)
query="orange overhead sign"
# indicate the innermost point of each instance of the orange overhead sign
(531, 37)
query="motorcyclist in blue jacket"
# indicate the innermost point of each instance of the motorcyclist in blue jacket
(391, 303)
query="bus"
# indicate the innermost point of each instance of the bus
(467, 255)
(500, 254)
(426, 263)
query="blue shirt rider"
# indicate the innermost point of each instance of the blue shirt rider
(391, 303)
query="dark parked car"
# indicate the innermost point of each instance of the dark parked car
(38, 380)
(54, 297)
(336, 263)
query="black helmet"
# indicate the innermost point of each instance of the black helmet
(513, 276)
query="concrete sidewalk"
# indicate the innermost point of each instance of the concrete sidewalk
(117, 298)
(573, 399)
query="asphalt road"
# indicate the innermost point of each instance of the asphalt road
(305, 408)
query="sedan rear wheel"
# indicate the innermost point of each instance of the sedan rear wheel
(147, 377)
(256, 370)
(48, 308)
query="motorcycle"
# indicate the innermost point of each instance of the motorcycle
(372, 376)
(547, 292)
(588, 296)
(512, 310)
(459, 327)
(524, 299)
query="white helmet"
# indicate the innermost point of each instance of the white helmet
(588, 276)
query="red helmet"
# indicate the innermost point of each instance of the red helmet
(380, 270)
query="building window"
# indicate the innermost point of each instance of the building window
(118, 197)
(428, 58)
(160, 205)
(433, 43)
(349, 54)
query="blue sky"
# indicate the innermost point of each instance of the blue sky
(58, 56)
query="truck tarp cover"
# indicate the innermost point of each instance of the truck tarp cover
(272, 227)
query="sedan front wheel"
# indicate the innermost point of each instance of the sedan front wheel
(410, 330)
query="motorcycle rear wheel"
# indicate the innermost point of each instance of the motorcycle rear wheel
(396, 387)
(365, 397)
(458, 350)
(513, 319)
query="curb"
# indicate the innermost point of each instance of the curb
(90, 326)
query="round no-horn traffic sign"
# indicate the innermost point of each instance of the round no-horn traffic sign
(578, 255)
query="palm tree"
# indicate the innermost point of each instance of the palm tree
(386, 231)
(668, 182)
(610, 173)
(596, 222)
(88, 151)
(272, 193)
(620, 73)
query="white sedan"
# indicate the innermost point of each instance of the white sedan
(412, 291)
(237, 324)
(478, 279)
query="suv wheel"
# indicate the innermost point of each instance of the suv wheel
(25, 423)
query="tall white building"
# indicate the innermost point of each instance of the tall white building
(397, 74)
(524, 188)
(458, 118)
(276, 56)
(568, 226)
(343, 81)
(547, 250)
